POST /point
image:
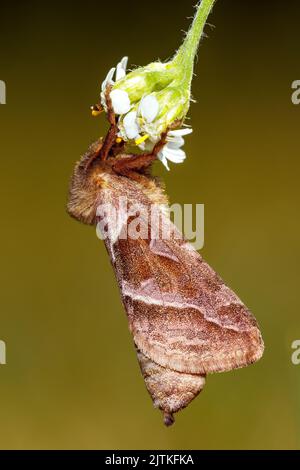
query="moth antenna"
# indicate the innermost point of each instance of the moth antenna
(168, 418)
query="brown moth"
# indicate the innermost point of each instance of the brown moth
(185, 322)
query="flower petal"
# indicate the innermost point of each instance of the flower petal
(175, 142)
(180, 132)
(124, 62)
(108, 80)
(174, 155)
(130, 125)
(120, 73)
(163, 159)
(120, 101)
(130, 118)
(149, 108)
(121, 68)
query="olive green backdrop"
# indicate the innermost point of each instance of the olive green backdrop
(72, 378)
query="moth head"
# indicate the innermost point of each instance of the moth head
(85, 184)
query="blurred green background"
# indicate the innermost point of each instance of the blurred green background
(72, 378)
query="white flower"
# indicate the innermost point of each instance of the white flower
(149, 108)
(121, 69)
(180, 132)
(108, 80)
(130, 125)
(174, 155)
(120, 99)
(171, 150)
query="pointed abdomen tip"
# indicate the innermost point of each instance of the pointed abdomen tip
(168, 419)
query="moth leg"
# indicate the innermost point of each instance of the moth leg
(92, 154)
(123, 165)
(134, 163)
(110, 138)
(135, 176)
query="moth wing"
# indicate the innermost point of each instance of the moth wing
(181, 314)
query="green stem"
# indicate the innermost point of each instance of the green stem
(185, 55)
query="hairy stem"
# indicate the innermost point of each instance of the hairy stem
(185, 55)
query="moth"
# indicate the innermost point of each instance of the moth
(185, 322)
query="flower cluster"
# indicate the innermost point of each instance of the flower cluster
(151, 101)
(144, 117)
